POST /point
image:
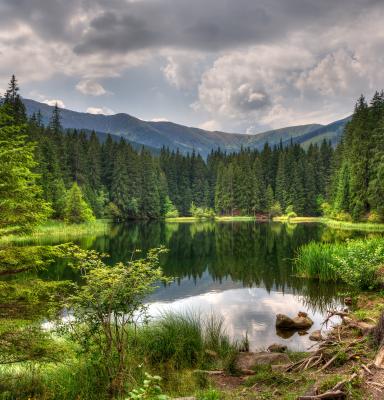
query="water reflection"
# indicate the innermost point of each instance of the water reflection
(242, 271)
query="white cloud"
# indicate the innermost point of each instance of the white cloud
(91, 88)
(183, 70)
(210, 125)
(100, 110)
(159, 119)
(53, 102)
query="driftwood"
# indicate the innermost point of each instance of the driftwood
(335, 393)
(338, 394)
(379, 359)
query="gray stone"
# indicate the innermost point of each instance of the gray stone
(248, 361)
(277, 348)
(316, 336)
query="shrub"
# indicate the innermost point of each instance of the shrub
(275, 210)
(290, 215)
(374, 217)
(343, 216)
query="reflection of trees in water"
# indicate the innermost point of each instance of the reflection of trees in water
(251, 253)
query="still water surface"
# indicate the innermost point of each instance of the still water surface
(241, 271)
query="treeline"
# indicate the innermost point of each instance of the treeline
(77, 176)
(80, 176)
(358, 183)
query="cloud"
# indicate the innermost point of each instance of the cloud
(183, 70)
(100, 110)
(159, 119)
(248, 64)
(53, 102)
(91, 88)
(210, 125)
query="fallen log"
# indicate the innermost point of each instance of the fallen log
(379, 359)
(338, 394)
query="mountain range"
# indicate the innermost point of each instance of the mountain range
(175, 136)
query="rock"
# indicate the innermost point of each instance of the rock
(285, 333)
(277, 348)
(302, 333)
(284, 322)
(247, 361)
(301, 322)
(348, 301)
(302, 314)
(316, 336)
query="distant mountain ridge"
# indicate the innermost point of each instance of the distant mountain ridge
(175, 136)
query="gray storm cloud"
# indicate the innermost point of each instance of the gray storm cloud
(248, 63)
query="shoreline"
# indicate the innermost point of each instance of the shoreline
(345, 225)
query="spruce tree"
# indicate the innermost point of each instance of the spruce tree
(76, 208)
(21, 202)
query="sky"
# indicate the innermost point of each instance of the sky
(233, 65)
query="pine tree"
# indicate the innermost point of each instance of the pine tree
(21, 202)
(76, 208)
(13, 104)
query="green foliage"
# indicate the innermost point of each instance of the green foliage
(201, 213)
(76, 208)
(150, 390)
(109, 303)
(170, 211)
(275, 210)
(21, 203)
(355, 262)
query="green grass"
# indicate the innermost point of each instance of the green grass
(58, 231)
(220, 219)
(172, 346)
(345, 225)
(354, 262)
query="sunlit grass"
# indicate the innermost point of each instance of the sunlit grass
(57, 231)
(360, 226)
(354, 262)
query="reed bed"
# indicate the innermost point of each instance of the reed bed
(53, 231)
(357, 262)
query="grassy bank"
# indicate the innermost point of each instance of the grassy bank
(357, 263)
(57, 231)
(172, 346)
(363, 226)
(219, 219)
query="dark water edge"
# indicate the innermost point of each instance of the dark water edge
(240, 271)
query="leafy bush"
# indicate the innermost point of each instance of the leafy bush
(201, 213)
(150, 390)
(343, 216)
(275, 210)
(374, 217)
(290, 215)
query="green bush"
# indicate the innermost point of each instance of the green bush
(374, 217)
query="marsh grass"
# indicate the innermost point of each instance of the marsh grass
(354, 262)
(55, 231)
(342, 225)
(172, 346)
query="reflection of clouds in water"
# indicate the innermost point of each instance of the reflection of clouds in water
(245, 310)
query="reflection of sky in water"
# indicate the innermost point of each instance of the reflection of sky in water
(245, 310)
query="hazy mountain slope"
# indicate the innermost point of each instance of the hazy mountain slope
(158, 134)
(331, 132)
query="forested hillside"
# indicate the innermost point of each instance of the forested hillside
(115, 180)
(156, 135)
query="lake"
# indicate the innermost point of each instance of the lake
(240, 271)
